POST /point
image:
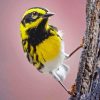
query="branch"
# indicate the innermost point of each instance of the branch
(88, 76)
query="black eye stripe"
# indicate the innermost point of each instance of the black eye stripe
(28, 18)
(32, 13)
(28, 15)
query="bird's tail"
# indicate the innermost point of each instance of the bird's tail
(60, 73)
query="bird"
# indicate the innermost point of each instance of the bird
(43, 44)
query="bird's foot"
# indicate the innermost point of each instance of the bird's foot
(81, 45)
(73, 90)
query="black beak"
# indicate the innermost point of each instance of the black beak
(48, 15)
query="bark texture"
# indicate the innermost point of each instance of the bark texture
(88, 77)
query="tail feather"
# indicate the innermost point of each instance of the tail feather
(60, 73)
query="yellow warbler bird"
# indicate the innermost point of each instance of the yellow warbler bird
(43, 43)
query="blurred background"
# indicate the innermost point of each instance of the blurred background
(19, 80)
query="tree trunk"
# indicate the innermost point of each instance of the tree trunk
(88, 77)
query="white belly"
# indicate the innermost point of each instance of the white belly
(55, 63)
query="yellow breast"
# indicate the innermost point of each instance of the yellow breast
(49, 49)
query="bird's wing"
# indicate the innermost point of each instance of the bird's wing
(54, 27)
(26, 46)
(60, 33)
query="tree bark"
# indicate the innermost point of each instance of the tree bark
(88, 76)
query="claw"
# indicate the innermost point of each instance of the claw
(73, 90)
(82, 42)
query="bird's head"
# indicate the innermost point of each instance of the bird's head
(35, 16)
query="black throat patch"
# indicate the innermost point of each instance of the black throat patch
(39, 34)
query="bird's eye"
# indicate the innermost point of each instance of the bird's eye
(34, 15)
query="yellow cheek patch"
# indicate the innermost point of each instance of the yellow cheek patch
(23, 29)
(33, 25)
(30, 25)
(23, 32)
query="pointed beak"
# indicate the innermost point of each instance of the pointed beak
(49, 14)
